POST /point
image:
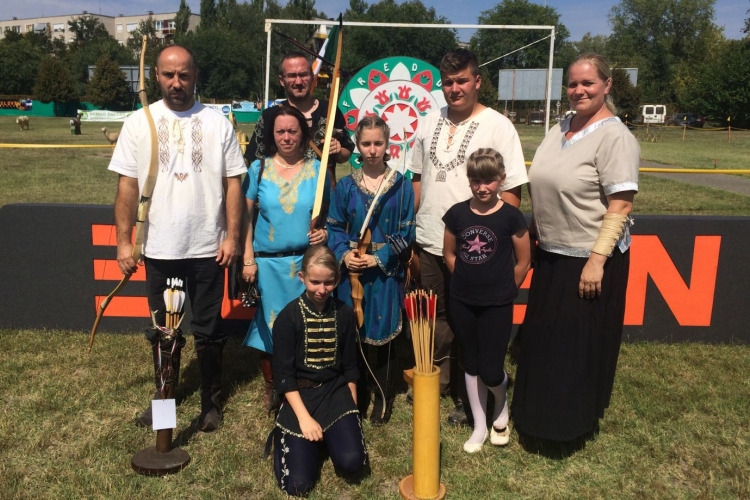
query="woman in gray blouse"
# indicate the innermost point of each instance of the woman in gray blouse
(582, 183)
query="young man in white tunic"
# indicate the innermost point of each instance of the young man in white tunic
(193, 225)
(445, 139)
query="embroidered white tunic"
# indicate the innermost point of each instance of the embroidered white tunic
(443, 169)
(197, 150)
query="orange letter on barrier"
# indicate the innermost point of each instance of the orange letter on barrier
(691, 305)
(519, 310)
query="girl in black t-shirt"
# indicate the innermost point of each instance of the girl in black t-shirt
(482, 235)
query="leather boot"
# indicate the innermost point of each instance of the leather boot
(171, 376)
(379, 415)
(209, 359)
(270, 397)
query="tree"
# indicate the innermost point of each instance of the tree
(365, 45)
(592, 43)
(182, 19)
(108, 87)
(92, 40)
(88, 29)
(721, 87)
(208, 14)
(487, 92)
(153, 46)
(663, 40)
(19, 59)
(626, 96)
(231, 53)
(490, 44)
(54, 83)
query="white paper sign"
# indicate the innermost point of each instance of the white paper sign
(164, 414)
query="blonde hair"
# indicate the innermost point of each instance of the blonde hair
(321, 255)
(485, 164)
(370, 123)
(601, 65)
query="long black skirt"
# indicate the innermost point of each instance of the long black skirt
(569, 348)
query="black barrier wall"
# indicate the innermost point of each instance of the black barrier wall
(689, 277)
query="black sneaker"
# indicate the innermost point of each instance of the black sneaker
(378, 417)
(458, 416)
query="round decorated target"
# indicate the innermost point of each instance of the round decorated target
(401, 90)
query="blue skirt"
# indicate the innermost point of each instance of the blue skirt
(278, 284)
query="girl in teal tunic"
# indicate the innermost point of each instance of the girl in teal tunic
(274, 245)
(382, 272)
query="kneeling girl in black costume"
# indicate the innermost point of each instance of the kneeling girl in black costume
(315, 370)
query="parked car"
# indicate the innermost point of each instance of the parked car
(689, 119)
(535, 118)
(655, 114)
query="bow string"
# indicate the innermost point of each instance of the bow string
(146, 192)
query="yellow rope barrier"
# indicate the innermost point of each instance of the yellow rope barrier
(661, 126)
(528, 163)
(47, 146)
(80, 146)
(691, 171)
(654, 170)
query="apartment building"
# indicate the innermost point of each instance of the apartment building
(119, 26)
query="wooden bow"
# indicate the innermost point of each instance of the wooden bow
(363, 241)
(358, 291)
(145, 200)
(331, 118)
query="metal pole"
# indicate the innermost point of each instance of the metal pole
(549, 78)
(268, 65)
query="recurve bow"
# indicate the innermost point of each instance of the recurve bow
(363, 241)
(331, 118)
(146, 192)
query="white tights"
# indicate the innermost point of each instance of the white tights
(477, 392)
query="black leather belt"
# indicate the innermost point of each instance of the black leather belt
(290, 253)
(306, 383)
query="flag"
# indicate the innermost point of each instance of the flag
(327, 52)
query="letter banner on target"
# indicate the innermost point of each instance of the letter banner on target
(401, 90)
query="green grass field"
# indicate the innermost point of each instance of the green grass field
(677, 428)
(81, 176)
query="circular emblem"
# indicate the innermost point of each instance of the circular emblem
(226, 110)
(477, 244)
(401, 90)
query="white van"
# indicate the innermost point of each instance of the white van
(652, 113)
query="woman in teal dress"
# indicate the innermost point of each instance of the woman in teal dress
(275, 243)
(382, 272)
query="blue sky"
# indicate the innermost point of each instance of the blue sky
(579, 17)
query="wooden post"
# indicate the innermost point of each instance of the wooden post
(729, 127)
